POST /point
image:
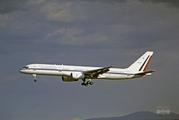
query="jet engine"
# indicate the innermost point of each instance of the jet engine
(68, 79)
(77, 75)
(74, 76)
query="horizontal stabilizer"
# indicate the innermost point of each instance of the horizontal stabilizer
(145, 72)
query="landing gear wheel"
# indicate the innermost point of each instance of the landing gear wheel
(91, 83)
(35, 77)
(83, 84)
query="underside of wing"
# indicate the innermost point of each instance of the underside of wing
(94, 73)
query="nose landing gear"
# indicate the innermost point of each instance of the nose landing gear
(35, 77)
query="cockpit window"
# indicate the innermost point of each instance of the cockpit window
(25, 67)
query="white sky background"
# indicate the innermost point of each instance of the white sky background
(87, 32)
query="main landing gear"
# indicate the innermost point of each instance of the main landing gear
(35, 77)
(89, 82)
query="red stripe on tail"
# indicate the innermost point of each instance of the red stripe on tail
(145, 67)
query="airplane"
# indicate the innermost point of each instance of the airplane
(71, 73)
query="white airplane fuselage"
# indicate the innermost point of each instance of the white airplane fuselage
(66, 70)
(71, 73)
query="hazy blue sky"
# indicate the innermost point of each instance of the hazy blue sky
(87, 32)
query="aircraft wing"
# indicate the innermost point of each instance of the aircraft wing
(94, 73)
(145, 72)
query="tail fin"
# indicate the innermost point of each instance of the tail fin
(141, 63)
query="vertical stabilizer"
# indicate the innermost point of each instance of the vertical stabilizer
(141, 63)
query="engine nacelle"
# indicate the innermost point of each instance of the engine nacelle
(77, 75)
(68, 79)
(74, 76)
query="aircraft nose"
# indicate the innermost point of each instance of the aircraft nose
(21, 71)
